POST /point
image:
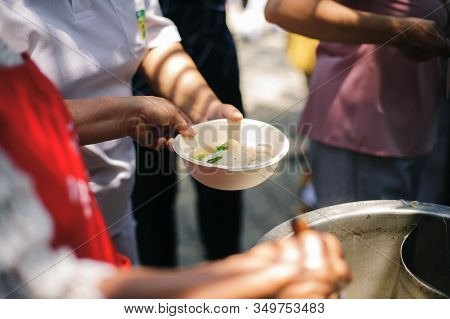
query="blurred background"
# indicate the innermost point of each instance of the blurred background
(273, 91)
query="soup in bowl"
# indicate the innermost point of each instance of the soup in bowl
(229, 155)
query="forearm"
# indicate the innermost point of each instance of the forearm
(101, 119)
(328, 20)
(174, 76)
(234, 277)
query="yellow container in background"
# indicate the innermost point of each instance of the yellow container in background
(301, 52)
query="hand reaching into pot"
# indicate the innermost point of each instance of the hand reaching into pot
(307, 265)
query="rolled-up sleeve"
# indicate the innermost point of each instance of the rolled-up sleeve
(160, 30)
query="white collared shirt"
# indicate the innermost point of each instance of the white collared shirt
(91, 48)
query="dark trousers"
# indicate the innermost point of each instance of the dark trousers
(219, 212)
(341, 176)
(435, 176)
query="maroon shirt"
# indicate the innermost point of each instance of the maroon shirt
(372, 99)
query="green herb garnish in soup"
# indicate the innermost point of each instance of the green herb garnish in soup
(213, 160)
(231, 154)
(222, 147)
(200, 157)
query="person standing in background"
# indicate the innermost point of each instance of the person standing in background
(375, 92)
(206, 38)
(91, 50)
(434, 187)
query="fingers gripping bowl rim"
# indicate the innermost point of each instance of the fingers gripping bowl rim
(251, 133)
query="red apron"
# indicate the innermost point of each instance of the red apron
(37, 133)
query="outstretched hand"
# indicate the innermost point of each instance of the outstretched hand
(312, 263)
(157, 121)
(422, 40)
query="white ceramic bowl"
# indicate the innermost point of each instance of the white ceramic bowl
(249, 133)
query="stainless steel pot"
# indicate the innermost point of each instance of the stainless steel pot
(372, 234)
(425, 261)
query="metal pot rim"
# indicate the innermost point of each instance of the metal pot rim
(371, 208)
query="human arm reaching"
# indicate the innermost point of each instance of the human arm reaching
(328, 20)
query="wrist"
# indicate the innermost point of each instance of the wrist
(400, 34)
(262, 271)
(203, 105)
(131, 116)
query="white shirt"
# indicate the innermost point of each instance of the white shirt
(91, 48)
